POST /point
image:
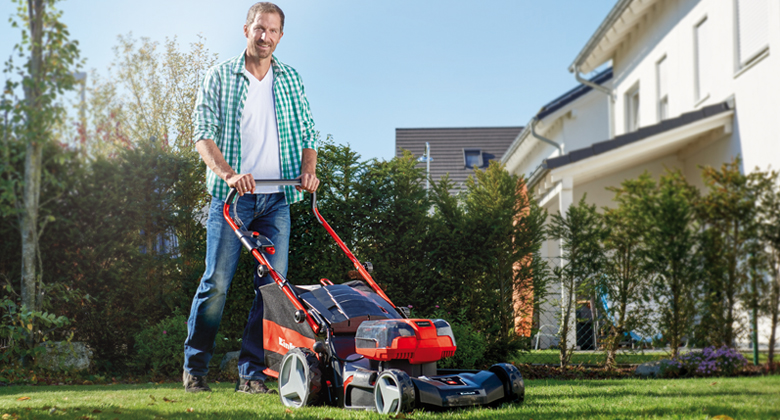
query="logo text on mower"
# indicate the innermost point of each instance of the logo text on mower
(285, 344)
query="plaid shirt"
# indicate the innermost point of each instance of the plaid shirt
(218, 111)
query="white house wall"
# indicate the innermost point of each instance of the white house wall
(668, 31)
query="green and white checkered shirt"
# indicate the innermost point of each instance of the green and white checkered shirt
(218, 111)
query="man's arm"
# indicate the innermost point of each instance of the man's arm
(243, 183)
(309, 181)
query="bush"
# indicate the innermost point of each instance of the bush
(160, 348)
(710, 361)
(23, 330)
(471, 344)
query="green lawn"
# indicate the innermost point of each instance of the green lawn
(552, 357)
(739, 398)
(633, 357)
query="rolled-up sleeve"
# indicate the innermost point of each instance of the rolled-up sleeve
(206, 113)
(308, 133)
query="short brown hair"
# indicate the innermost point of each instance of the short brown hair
(264, 7)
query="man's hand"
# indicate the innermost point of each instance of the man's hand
(309, 182)
(243, 183)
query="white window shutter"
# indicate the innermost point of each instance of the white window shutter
(752, 28)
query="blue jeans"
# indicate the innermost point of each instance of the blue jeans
(268, 214)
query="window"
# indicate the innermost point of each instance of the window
(702, 63)
(472, 158)
(752, 27)
(632, 109)
(662, 74)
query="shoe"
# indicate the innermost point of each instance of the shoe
(195, 383)
(253, 387)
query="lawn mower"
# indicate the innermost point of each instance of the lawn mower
(348, 345)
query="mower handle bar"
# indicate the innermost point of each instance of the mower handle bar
(231, 197)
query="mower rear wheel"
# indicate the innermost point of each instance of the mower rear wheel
(393, 392)
(514, 387)
(300, 378)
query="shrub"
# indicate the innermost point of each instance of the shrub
(471, 348)
(471, 343)
(160, 347)
(710, 361)
(23, 330)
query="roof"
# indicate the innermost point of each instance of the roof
(573, 94)
(642, 133)
(555, 105)
(447, 146)
(619, 25)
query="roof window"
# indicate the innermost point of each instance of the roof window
(472, 158)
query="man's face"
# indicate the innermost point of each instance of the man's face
(263, 35)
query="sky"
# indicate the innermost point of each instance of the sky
(371, 66)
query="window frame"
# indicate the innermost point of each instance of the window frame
(633, 116)
(662, 102)
(700, 94)
(479, 158)
(740, 66)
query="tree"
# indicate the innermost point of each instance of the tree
(505, 234)
(48, 73)
(672, 247)
(728, 217)
(626, 276)
(769, 231)
(579, 233)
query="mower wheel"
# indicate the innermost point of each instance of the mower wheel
(300, 378)
(393, 392)
(514, 387)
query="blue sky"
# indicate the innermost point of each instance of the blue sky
(372, 66)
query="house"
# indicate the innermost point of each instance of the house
(573, 120)
(455, 151)
(694, 82)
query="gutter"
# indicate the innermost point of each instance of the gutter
(603, 89)
(558, 146)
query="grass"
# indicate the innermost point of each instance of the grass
(632, 357)
(552, 357)
(739, 398)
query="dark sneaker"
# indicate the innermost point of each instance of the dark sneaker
(195, 383)
(253, 387)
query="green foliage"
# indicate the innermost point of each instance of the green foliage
(158, 348)
(23, 330)
(769, 232)
(669, 212)
(728, 214)
(580, 233)
(627, 270)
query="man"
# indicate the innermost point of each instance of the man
(252, 122)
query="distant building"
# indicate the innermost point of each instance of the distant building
(456, 151)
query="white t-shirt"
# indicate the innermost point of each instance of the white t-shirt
(259, 132)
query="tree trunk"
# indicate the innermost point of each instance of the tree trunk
(32, 163)
(32, 187)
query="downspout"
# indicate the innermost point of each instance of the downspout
(545, 139)
(607, 91)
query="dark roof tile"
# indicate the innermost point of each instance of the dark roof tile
(642, 133)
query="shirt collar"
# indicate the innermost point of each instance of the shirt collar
(240, 64)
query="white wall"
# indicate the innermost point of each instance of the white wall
(668, 30)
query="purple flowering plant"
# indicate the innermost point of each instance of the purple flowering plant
(709, 361)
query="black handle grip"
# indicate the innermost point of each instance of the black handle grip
(271, 183)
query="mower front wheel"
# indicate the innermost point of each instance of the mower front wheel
(393, 392)
(300, 378)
